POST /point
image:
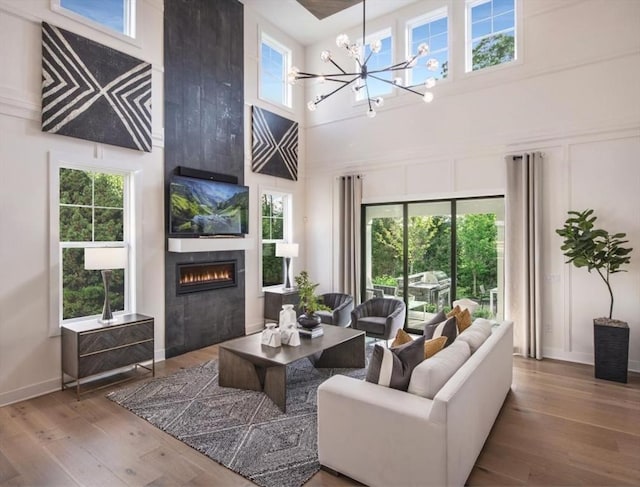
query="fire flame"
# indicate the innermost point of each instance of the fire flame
(205, 276)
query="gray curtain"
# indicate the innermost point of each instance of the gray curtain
(522, 250)
(349, 245)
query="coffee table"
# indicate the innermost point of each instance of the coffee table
(244, 363)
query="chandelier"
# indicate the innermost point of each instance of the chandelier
(358, 79)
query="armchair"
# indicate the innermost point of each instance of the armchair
(341, 306)
(379, 317)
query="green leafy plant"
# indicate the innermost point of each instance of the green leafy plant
(594, 248)
(309, 302)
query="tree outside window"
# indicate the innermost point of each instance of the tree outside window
(275, 228)
(492, 33)
(91, 214)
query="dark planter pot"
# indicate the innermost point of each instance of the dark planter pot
(309, 322)
(611, 349)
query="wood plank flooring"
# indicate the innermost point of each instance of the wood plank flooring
(558, 426)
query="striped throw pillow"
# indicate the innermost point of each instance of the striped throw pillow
(393, 367)
(447, 328)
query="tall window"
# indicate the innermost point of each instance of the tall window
(275, 62)
(431, 253)
(433, 29)
(118, 15)
(276, 227)
(92, 212)
(378, 60)
(491, 33)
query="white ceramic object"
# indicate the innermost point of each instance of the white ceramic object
(287, 316)
(271, 336)
(290, 336)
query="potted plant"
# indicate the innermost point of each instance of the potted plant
(596, 249)
(309, 302)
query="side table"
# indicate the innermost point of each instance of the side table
(274, 298)
(93, 348)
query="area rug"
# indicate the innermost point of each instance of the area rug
(242, 430)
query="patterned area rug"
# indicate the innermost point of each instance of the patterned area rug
(243, 430)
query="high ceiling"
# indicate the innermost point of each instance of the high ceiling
(295, 20)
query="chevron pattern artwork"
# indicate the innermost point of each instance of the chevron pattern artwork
(93, 92)
(275, 145)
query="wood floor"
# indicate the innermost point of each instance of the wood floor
(559, 426)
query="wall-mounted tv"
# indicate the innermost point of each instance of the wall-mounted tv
(201, 207)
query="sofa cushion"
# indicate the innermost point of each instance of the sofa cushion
(429, 376)
(393, 367)
(447, 328)
(476, 334)
(431, 347)
(463, 317)
(373, 324)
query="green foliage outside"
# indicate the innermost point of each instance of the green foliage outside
(272, 226)
(493, 50)
(91, 210)
(429, 249)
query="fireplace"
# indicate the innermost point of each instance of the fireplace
(205, 276)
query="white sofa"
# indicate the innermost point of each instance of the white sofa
(386, 437)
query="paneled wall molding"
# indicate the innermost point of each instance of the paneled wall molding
(481, 80)
(513, 142)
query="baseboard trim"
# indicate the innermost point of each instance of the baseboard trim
(581, 358)
(30, 391)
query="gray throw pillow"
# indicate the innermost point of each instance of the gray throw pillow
(392, 367)
(438, 318)
(448, 327)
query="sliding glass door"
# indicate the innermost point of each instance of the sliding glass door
(430, 253)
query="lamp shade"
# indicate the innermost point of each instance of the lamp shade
(286, 250)
(99, 258)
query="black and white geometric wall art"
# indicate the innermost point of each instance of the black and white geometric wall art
(274, 145)
(93, 92)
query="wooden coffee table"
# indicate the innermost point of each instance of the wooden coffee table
(244, 363)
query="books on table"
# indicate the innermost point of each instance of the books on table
(311, 333)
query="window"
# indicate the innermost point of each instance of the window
(275, 62)
(92, 210)
(432, 29)
(491, 33)
(117, 15)
(276, 227)
(380, 60)
(430, 253)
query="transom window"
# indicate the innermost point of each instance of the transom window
(379, 60)
(491, 33)
(118, 15)
(432, 29)
(275, 62)
(276, 227)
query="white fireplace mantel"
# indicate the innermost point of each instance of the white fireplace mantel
(214, 244)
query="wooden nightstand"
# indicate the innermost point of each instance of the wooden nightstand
(93, 348)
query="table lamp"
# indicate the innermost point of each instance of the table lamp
(105, 259)
(287, 250)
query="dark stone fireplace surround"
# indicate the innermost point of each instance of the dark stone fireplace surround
(204, 129)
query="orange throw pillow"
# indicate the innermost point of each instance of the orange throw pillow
(433, 346)
(402, 337)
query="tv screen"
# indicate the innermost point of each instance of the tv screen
(203, 207)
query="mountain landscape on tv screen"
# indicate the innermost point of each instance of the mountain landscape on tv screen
(201, 207)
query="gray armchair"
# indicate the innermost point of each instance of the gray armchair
(379, 317)
(341, 306)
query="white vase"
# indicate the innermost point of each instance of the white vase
(287, 316)
(289, 335)
(271, 336)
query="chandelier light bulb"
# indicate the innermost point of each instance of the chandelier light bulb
(430, 83)
(427, 97)
(342, 40)
(376, 46)
(371, 113)
(321, 78)
(292, 75)
(355, 87)
(379, 101)
(312, 106)
(432, 64)
(325, 56)
(423, 49)
(318, 98)
(397, 81)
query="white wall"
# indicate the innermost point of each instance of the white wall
(573, 95)
(253, 25)
(29, 357)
